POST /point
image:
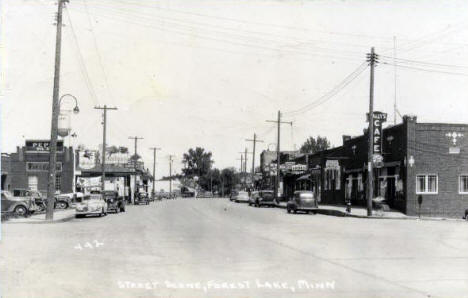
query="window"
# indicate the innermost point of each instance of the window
(463, 184)
(426, 184)
(58, 182)
(32, 182)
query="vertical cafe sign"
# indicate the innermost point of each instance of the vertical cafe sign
(379, 118)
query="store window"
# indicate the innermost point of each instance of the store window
(427, 184)
(463, 184)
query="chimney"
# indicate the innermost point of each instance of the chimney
(346, 138)
(409, 118)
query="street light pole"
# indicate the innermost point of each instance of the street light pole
(55, 112)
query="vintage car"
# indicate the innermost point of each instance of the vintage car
(65, 200)
(204, 194)
(39, 200)
(142, 198)
(115, 203)
(242, 197)
(302, 201)
(232, 196)
(18, 205)
(262, 198)
(92, 204)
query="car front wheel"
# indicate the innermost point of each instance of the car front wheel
(21, 211)
(62, 205)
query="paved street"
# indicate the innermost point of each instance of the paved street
(213, 247)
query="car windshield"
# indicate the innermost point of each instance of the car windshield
(305, 195)
(95, 197)
(243, 194)
(267, 195)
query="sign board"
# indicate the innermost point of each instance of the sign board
(42, 146)
(332, 164)
(454, 150)
(298, 169)
(41, 166)
(378, 118)
(87, 159)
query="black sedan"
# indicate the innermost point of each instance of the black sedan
(304, 201)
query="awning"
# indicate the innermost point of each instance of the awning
(303, 177)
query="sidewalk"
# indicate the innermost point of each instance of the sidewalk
(361, 212)
(59, 216)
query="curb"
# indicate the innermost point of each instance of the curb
(65, 219)
(338, 213)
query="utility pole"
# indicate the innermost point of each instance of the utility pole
(135, 138)
(244, 165)
(395, 82)
(278, 122)
(170, 175)
(241, 162)
(372, 59)
(104, 124)
(55, 112)
(154, 167)
(254, 141)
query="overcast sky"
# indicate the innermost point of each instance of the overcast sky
(210, 73)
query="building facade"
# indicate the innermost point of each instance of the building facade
(28, 167)
(421, 162)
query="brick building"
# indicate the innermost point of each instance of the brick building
(28, 167)
(419, 159)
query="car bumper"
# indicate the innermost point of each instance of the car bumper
(270, 203)
(85, 212)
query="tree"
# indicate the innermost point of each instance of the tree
(197, 162)
(312, 145)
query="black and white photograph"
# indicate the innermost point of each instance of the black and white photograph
(234, 148)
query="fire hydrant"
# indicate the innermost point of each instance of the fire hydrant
(348, 206)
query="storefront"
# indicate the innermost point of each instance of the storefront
(29, 167)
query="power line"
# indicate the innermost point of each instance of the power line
(81, 62)
(401, 60)
(97, 50)
(426, 69)
(327, 96)
(190, 32)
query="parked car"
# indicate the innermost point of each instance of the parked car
(92, 204)
(232, 196)
(18, 205)
(242, 197)
(204, 194)
(262, 198)
(302, 201)
(141, 198)
(39, 200)
(115, 203)
(187, 192)
(63, 201)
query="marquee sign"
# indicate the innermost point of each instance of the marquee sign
(42, 146)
